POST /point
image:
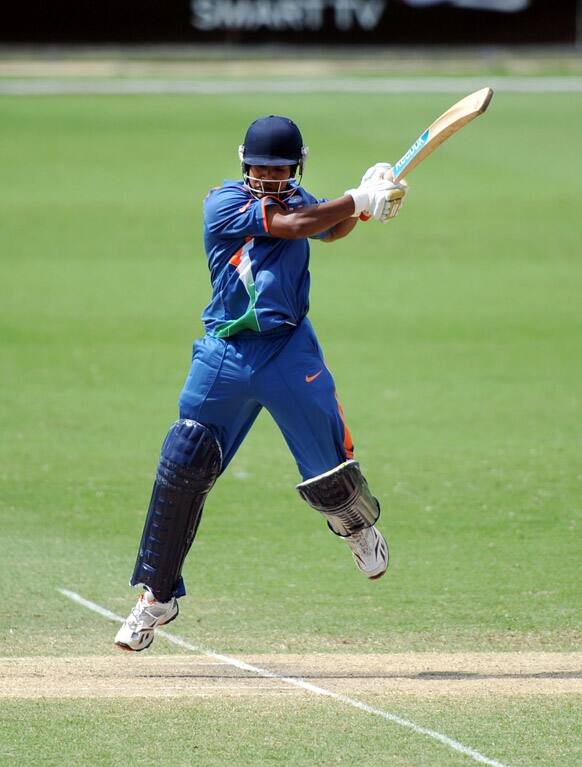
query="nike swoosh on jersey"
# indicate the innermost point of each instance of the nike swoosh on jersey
(309, 379)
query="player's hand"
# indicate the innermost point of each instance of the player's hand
(386, 199)
(377, 172)
(379, 199)
(361, 196)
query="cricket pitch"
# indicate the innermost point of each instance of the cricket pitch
(416, 674)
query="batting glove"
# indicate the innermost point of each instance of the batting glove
(377, 172)
(386, 200)
(361, 198)
(362, 195)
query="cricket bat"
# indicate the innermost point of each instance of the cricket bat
(440, 130)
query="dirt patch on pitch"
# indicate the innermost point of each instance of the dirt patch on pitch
(419, 674)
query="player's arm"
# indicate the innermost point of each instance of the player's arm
(310, 219)
(341, 230)
(380, 197)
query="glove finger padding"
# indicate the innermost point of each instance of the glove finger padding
(391, 210)
(386, 204)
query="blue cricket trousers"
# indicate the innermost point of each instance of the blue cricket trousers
(232, 379)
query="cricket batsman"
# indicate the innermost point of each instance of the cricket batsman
(260, 351)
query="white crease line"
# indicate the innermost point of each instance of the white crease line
(301, 683)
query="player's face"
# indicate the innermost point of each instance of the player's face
(267, 178)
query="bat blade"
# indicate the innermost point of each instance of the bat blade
(441, 129)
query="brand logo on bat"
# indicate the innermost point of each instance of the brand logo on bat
(412, 152)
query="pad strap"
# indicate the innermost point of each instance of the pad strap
(342, 495)
(189, 465)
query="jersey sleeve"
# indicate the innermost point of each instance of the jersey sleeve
(233, 213)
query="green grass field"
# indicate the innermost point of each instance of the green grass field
(454, 335)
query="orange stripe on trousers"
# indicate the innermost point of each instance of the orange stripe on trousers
(348, 442)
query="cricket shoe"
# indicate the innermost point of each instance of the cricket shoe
(370, 552)
(137, 632)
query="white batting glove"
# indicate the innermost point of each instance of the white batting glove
(361, 198)
(377, 172)
(361, 194)
(386, 200)
(379, 199)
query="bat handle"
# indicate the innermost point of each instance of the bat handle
(391, 177)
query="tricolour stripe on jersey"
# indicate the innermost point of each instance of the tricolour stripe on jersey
(249, 321)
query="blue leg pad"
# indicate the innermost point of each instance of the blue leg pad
(190, 462)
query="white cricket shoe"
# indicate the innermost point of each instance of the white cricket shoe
(370, 552)
(137, 632)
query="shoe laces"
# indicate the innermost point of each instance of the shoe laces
(141, 606)
(364, 540)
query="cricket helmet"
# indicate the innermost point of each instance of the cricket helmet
(273, 140)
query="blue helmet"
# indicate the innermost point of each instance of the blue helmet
(273, 140)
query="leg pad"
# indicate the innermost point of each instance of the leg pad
(342, 495)
(189, 464)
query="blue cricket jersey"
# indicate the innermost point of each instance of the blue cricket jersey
(259, 282)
